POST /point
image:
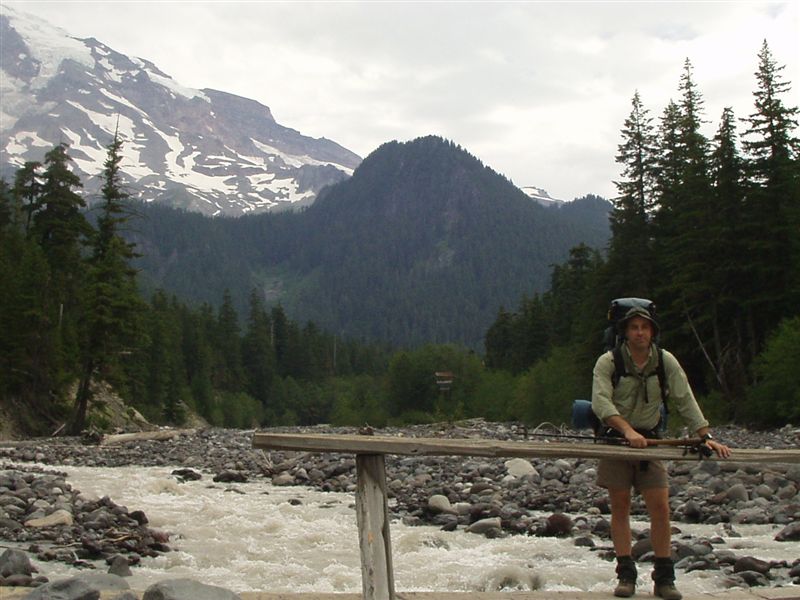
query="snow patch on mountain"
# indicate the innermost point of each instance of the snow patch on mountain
(202, 150)
(49, 46)
(541, 196)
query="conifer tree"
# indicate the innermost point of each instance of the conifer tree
(112, 306)
(59, 225)
(630, 256)
(61, 230)
(229, 375)
(258, 356)
(728, 276)
(498, 342)
(27, 193)
(6, 207)
(773, 200)
(685, 212)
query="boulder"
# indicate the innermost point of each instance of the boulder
(187, 589)
(440, 504)
(15, 562)
(558, 525)
(750, 563)
(64, 589)
(790, 533)
(58, 517)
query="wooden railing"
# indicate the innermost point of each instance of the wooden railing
(372, 513)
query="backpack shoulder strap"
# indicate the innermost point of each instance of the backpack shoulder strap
(662, 378)
(620, 370)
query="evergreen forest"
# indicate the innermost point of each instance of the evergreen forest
(709, 228)
(421, 245)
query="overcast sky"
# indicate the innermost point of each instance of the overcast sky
(537, 90)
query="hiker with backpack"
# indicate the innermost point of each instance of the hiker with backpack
(631, 383)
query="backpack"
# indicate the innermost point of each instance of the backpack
(616, 312)
(582, 414)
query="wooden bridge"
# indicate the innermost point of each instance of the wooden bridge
(372, 513)
(7, 593)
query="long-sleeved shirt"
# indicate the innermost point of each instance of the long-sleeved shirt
(637, 396)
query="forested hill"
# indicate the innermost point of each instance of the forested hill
(423, 244)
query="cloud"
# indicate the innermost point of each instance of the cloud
(538, 90)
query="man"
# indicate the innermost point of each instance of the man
(632, 409)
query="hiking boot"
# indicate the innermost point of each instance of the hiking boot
(626, 575)
(667, 591)
(625, 589)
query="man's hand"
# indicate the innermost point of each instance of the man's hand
(635, 439)
(720, 449)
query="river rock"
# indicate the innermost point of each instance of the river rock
(640, 548)
(187, 475)
(120, 567)
(283, 479)
(790, 533)
(64, 589)
(489, 527)
(519, 467)
(558, 525)
(187, 589)
(440, 504)
(105, 581)
(16, 581)
(230, 476)
(787, 492)
(59, 517)
(15, 562)
(750, 563)
(753, 578)
(737, 493)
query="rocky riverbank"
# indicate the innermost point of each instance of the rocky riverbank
(484, 496)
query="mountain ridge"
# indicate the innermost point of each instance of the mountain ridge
(204, 150)
(423, 244)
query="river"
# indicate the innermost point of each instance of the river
(291, 539)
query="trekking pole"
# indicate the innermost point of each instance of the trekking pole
(689, 444)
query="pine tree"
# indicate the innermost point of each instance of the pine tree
(685, 214)
(27, 193)
(630, 253)
(498, 342)
(61, 230)
(112, 304)
(59, 225)
(6, 208)
(229, 375)
(258, 356)
(773, 200)
(729, 279)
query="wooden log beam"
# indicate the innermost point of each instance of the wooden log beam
(368, 444)
(372, 516)
(160, 435)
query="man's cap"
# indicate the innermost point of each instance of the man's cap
(638, 311)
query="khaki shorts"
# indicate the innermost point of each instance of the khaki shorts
(624, 474)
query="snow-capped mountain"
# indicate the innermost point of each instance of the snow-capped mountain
(541, 196)
(204, 150)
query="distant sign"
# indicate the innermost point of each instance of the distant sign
(444, 380)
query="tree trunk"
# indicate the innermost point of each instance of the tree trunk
(82, 397)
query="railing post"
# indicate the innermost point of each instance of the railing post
(372, 515)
